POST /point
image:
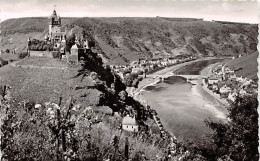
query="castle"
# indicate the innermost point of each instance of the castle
(56, 37)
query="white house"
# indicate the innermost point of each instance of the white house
(224, 89)
(212, 81)
(232, 97)
(247, 83)
(129, 124)
(74, 50)
(214, 87)
(242, 92)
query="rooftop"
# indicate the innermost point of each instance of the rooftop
(127, 120)
(55, 16)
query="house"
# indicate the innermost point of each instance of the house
(142, 61)
(247, 83)
(212, 81)
(214, 87)
(232, 96)
(242, 92)
(73, 57)
(233, 76)
(130, 124)
(224, 89)
(241, 79)
(134, 63)
(74, 50)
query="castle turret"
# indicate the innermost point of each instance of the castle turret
(54, 21)
(55, 33)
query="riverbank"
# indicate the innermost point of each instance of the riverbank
(205, 72)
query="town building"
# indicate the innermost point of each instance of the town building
(232, 96)
(78, 52)
(129, 124)
(211, 81)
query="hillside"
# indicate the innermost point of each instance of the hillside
(245, 66)
(122, 40)
(91, 85)
(43, 80)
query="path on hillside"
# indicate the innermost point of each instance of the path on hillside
(14, 64)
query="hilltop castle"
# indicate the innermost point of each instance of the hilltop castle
(56, 41)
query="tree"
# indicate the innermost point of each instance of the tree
(238, 138)
(70, 41)
(129, 80)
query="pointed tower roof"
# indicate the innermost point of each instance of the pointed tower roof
(55, 16)
(54, 13)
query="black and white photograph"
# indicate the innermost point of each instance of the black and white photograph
(129, 80)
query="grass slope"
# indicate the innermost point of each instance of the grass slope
(44, 79)
(245, 66)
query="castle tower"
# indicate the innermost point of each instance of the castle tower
(54, 22)
(55, 33)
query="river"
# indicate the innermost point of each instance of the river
(182, 106)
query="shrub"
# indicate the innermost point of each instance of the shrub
(31, 133)
(56, 54)
(23, 55)
(236, 139)
(253, 46)
(39, 45)
(129, 80)
(70, 41)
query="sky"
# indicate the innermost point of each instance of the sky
(224, 10)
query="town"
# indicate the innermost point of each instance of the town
(224, 84)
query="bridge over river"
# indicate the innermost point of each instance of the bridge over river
(188, 77)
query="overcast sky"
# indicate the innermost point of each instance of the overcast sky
(226, 10)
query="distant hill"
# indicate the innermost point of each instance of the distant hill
(122, 40)
(245, 66)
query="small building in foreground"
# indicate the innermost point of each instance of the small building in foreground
(130, 124)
